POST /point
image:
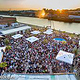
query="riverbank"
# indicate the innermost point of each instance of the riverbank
(64, 20)
(72, 35)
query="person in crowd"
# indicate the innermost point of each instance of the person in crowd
(37, 57)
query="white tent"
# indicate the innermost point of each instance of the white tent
(3, 25)
(17, 36)
(14, 24)
(32, 39)
(79, 42)
(1, 36)
(65, 57)
(49, 30)
(16, 29)
(35, 32)
(1, 53)
(2, 48)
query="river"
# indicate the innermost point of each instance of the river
(68, 27)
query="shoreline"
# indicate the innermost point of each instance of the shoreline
(65, 21)
(36, 26)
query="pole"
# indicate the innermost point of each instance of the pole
(50, 23)
(53, 25)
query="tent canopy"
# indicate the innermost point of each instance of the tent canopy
(14, 24)
(35, 32)
(32, 39)
(49, 30)
(1, 53)
(16, 30)
(17, 36)
(2, 25)
(1, 36)
(79, 42)
(65, 57)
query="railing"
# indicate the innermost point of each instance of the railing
(42, 73)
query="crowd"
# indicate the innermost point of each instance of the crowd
(39, 56)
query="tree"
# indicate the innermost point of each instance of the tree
(3, 64)
(45, 41)
(6, 41)
(75, 51)
(8, 47)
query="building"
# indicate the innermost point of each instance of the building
(74, 17)
(6, 21)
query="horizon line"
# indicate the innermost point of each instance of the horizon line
(18, 9)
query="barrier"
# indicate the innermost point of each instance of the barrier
(42, 76)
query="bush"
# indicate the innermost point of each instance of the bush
(3, 64)
(8, 47)
(6, 41)
(28, 32)
(75, 51)
(64, 31)
(72, 35)
(42, 30)
(64, 42)
(35, 28)
(35, 35)
(45, 41)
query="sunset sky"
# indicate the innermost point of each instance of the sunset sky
(38, 4)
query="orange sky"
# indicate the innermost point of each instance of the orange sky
(38, 4)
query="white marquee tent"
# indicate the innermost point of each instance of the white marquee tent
(35, 32)
(14, 24)
(32, 39)
(79, 42)
(1, 53)
(65, 57)
(17, 36)
(3, 25)
(16, 30)
(1, 36)
(48, 32)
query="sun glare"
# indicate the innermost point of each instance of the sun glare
(60, 11)
(43, 13)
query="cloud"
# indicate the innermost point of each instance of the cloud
(51, 4)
